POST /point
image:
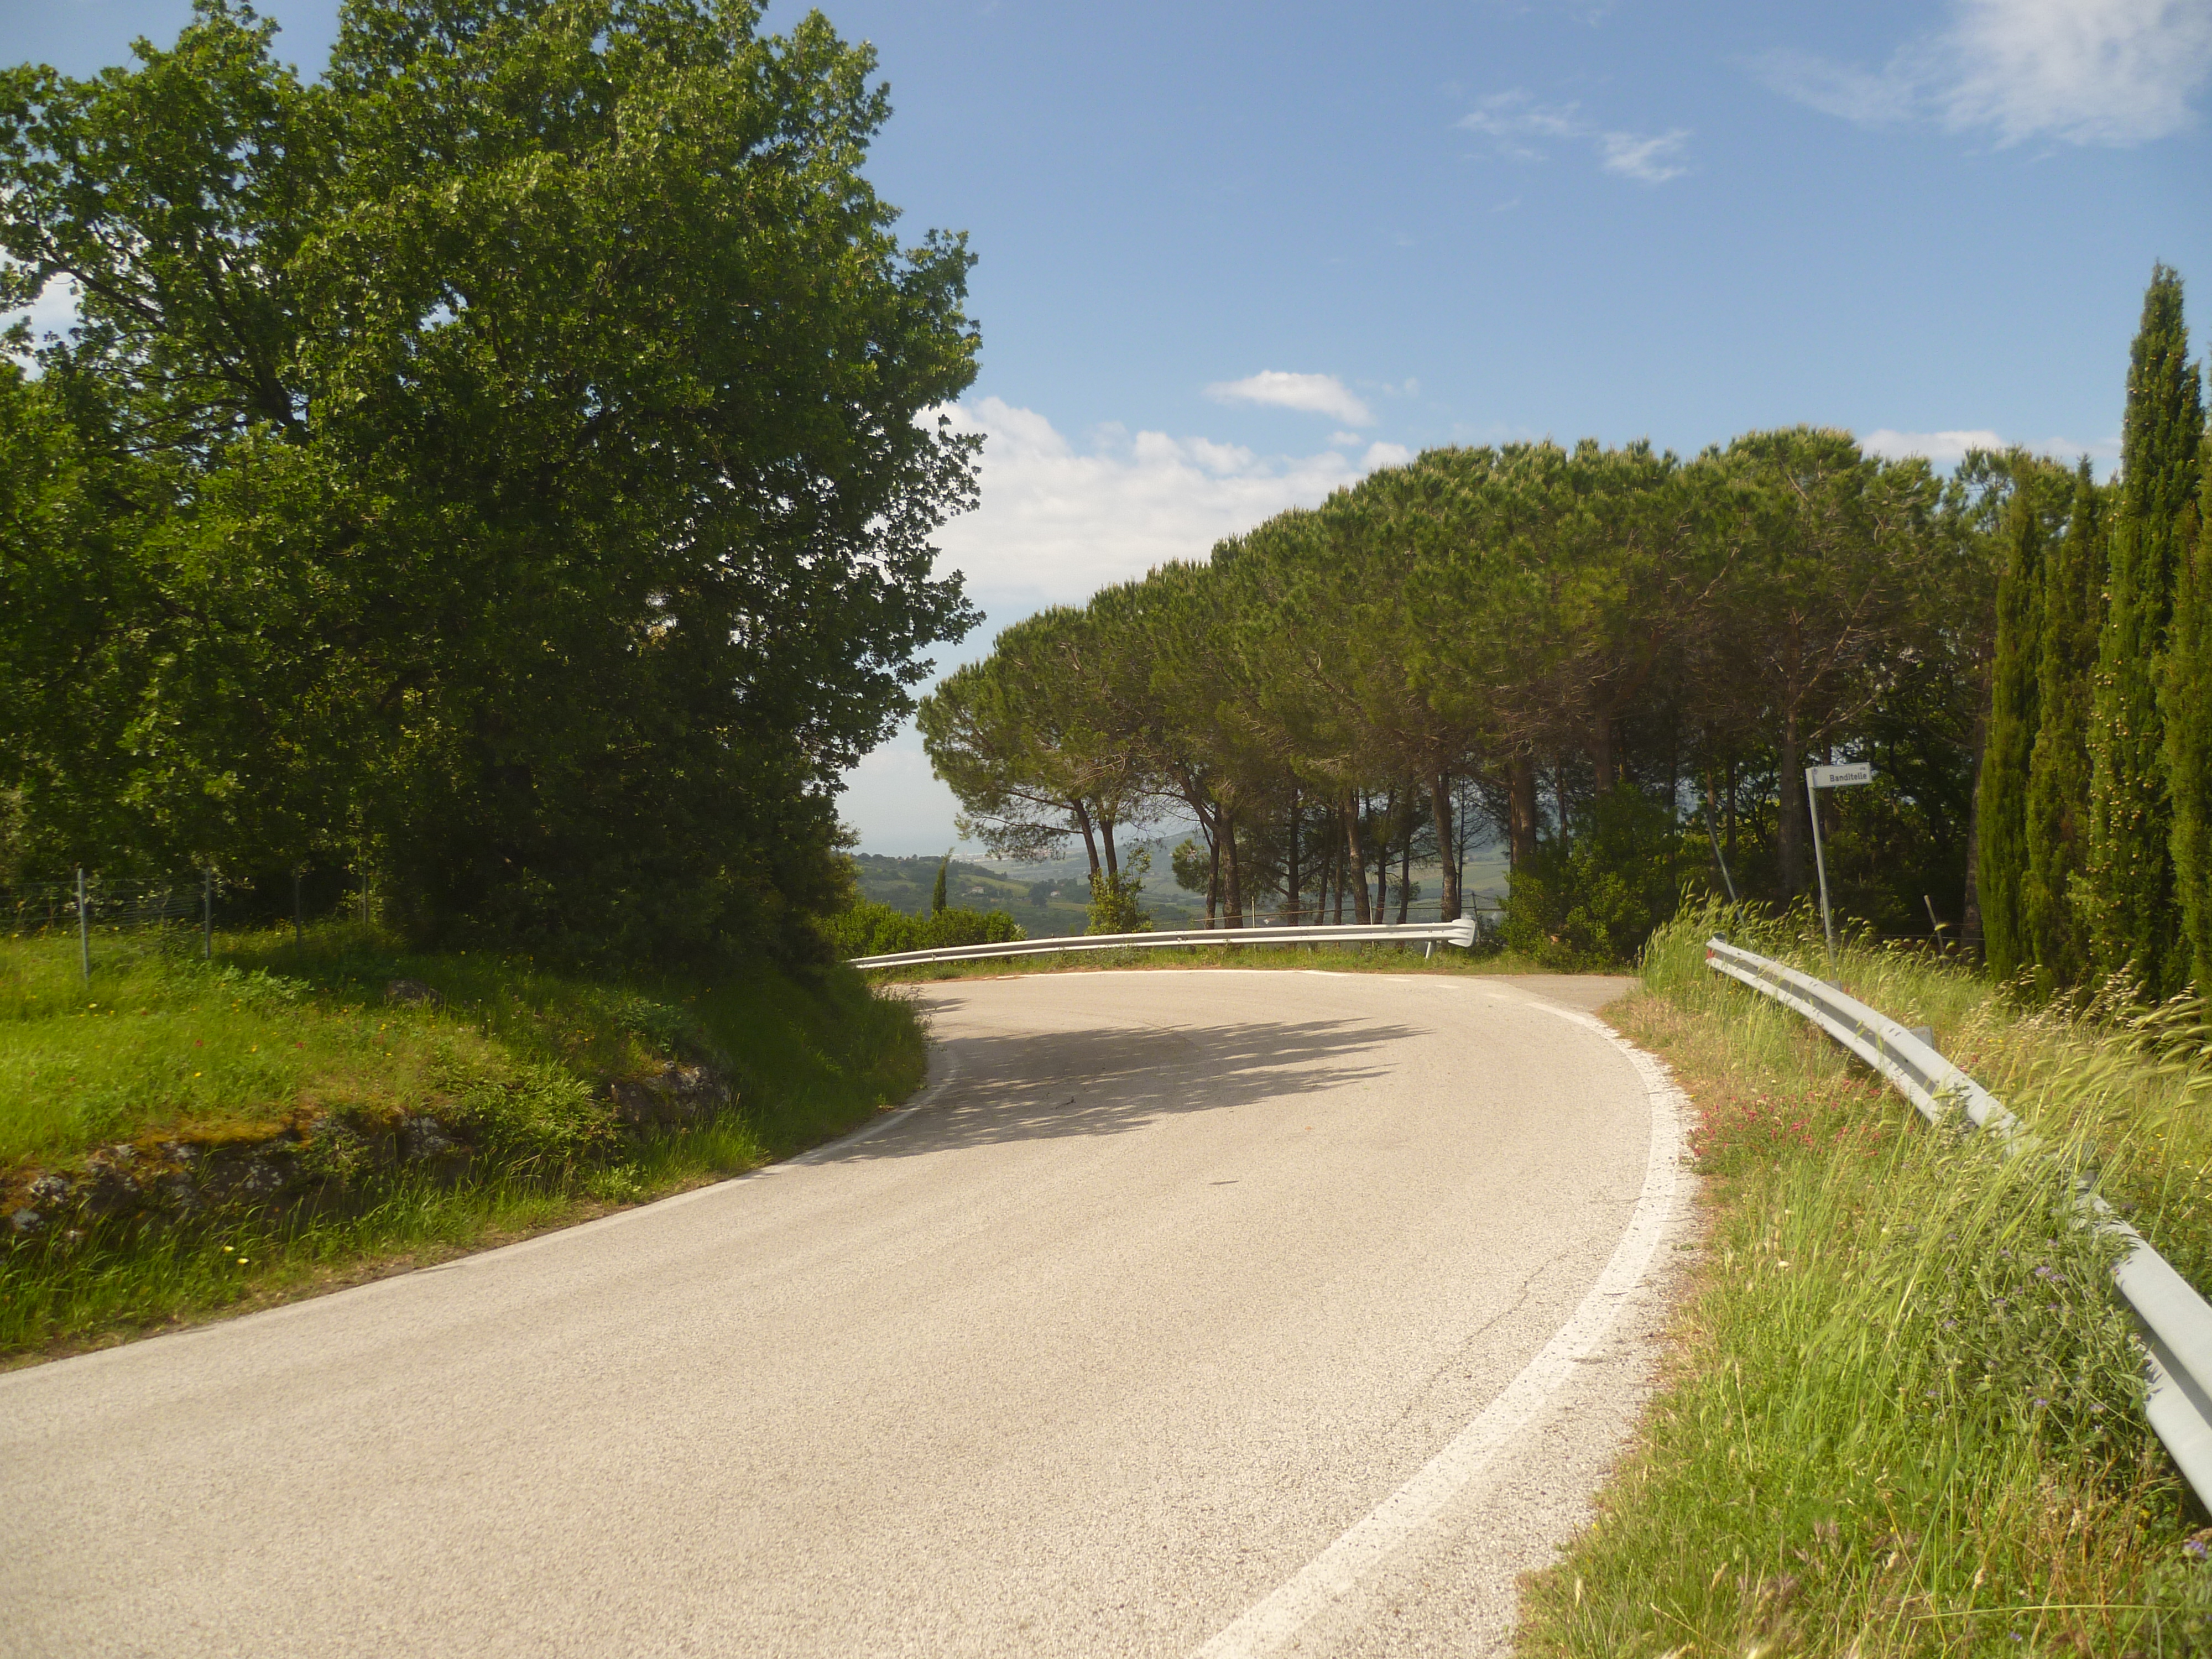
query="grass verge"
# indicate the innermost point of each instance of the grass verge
(1903, 1409)
(274, 1033)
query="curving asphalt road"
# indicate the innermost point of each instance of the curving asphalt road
(1207, 1311)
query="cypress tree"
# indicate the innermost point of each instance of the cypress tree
(2185, 697)
(936, 893)
(2134, 913)
(2057, 828)
(2002, 808)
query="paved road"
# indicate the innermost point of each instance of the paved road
(1121, 1343)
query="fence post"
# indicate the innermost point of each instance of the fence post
(207, 913)
(83, 928)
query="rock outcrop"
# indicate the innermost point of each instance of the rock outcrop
(316, 1159)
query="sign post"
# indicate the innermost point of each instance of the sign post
(1818, 778)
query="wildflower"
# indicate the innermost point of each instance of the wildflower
(2195, 1546)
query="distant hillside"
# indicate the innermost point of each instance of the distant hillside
(1048, 899)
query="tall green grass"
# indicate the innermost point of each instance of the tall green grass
(1903, 1412)
(515, 1053)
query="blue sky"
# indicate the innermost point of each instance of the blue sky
(1232, 257)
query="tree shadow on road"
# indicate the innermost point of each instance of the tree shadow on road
(1028, 1086)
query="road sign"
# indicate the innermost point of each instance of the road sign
(1818, 778)
(1838, 777)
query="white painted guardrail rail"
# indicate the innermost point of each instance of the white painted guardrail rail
(2176, 1321)
(1459, 932)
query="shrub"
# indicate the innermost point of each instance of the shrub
(1594, 903)
(871, 929)
(1114, 899)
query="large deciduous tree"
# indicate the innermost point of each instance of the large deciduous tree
(537, 397)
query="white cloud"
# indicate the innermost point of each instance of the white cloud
(1949, 448)
(1519, 126)
(2093, 71)
(1944, 448)
(2086, 71)
(1649, 160)
(1313, 394)
(1057, 523)
(1514, 119)
(1870, 100)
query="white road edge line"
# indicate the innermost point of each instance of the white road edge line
(1272, 1622)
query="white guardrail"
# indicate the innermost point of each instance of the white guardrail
(1431, 933)
(2176, 1321)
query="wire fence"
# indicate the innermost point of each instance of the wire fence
(177, 912)
(175, 915)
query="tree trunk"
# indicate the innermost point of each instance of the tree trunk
(1406, 873)
(1789, 826)
(1290, 871)
(1212, 872)
(1601, 753)
(1970, 907)
(1355, 862)
(1082, 816)
(1106, 831)
(1731, 811)
(1383, 860)
(1440, 803)
(1235, 894)
(1519, 810)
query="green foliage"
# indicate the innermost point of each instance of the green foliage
(496, 463)
(1117, 897)
(2134, 910)
(2038, 495)
(2057, 817)
(937, 892)
(870, 929)
(513, 1061)
(1192, 866)
(1593, 902)
(1906, 1416)
(2185, 704)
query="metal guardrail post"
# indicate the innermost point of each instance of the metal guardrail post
(2175, 1320)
